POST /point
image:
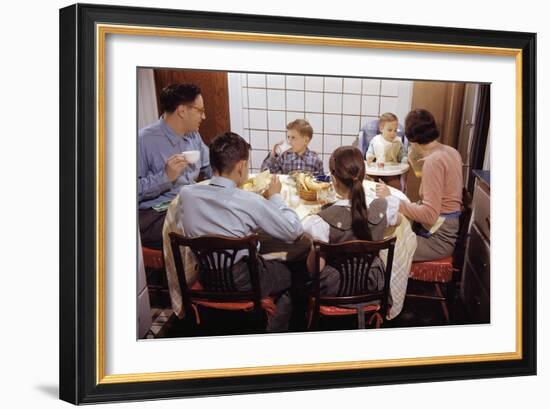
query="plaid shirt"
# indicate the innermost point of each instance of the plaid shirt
(289, 161)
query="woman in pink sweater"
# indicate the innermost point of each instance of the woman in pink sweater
(436, 216)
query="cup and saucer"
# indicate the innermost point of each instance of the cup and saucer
(191, 156)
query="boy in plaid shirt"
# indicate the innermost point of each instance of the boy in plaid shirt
(298, 157)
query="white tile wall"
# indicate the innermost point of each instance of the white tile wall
(314, 102)
(333, 103)
(316, 122)
(258, 139)
(295, 100)
(293, 115)
(388, 104)
(335, 107)
(258, 119)
(314, 83)
(371, 87)
(389, 88)
(277, 121)
(256, 80)
(245, 119)
(352, 85)
(348, 140)
(276, 99)
(325, 163)
(276, 81)
(295, 82)
(370, 105)
(246, 135)
(366, 119)
(316, 143)
(276, 137)
(351, 104)
(332, 124)
(333, 84)
(257, 98)
(257, 157)
(331, 142)
(350, 125)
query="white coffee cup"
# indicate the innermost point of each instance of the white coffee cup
(191, 156)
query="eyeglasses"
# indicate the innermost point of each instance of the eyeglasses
(201, 111)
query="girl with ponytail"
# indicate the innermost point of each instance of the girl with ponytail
(348, 218)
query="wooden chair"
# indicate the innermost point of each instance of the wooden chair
(216, 288)
(352, 260)
(444, 272)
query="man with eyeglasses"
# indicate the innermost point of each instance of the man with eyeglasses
(162, 168)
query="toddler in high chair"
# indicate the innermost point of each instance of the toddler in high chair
(387, 148)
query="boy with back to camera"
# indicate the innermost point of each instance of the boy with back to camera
(299, 157)
(221, 207)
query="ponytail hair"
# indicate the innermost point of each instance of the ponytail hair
(347, 165)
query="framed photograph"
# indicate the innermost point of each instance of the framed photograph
(127, 330)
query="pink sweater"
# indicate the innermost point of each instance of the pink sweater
(441, 187)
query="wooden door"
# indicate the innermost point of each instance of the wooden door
(444, 101)
(214, 90)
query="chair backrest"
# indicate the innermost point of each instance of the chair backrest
(216, 257)
(353, 260)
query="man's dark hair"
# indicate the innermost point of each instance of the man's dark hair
(226, 150)
(174, 95)
(420, 127)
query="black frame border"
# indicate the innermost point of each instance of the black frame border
(78, 197)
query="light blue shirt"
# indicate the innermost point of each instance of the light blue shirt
(222, 208)
(156, 143)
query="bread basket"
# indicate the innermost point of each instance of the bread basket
(308, 195)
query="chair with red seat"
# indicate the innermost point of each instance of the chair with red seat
(215, 257)
(157, 283)
(446, 271)
(352, 260)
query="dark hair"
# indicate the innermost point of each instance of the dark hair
(420, 127)
(348, 166)
(174, 95)
(226, 150)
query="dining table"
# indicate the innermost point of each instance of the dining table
(405, 245)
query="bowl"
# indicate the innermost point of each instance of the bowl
(191, 156)
(322, 178)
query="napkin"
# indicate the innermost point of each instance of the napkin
(161, 207)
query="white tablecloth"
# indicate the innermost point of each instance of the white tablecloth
(405, 247)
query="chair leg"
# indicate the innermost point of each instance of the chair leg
(360, 318)
(443, 302)
(451, 294)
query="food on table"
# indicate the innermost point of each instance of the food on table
(308, 186)
(258, 183)
(308, 183)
